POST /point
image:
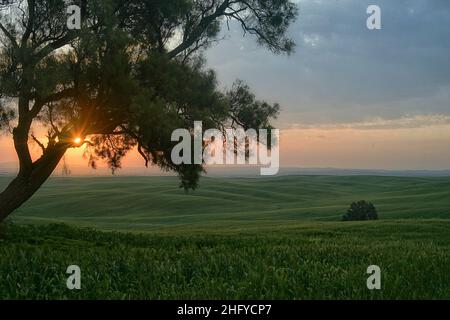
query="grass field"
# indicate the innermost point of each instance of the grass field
(156, 203)
(278, 238)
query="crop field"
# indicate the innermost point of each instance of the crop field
(278, 238)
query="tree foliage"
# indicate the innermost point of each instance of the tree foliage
(132, 74)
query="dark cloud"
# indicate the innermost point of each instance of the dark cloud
(343, 72)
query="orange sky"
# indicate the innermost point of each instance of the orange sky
(371, 145)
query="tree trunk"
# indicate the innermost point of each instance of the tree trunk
(25, 185)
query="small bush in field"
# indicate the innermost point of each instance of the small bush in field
(361, 211)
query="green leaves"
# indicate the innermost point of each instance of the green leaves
(248, 112)
(135, 72)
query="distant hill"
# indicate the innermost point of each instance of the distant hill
(8, 168)
(148, 203)
(11, 168)
(369, 172)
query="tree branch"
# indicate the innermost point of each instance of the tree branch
(9, 36)
(40, 102)
(58, 44)
(31, 18)
(40, 144)
(204, 23)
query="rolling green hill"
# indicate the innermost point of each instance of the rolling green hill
(278, 238)
(156, 203)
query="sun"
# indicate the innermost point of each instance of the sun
(77, 140)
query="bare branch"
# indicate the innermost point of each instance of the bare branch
(9, 36)
(40, 144)
(57, 44)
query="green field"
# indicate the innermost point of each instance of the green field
(156, 203)
(277, 238)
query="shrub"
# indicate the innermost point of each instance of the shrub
(361, 211)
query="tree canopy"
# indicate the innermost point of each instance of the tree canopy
(133, 73)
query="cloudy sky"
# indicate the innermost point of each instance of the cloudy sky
(351, 97)
(344, 73)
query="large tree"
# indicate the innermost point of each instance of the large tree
(132, 74)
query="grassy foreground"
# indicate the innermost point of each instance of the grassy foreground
(305, 261)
